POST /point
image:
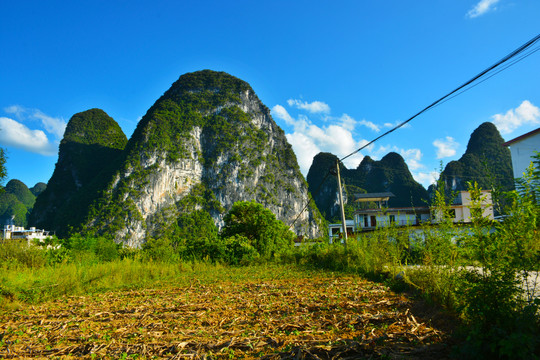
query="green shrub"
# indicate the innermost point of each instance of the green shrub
(503, 318)
(106, 249)
(259, 226)
(202, 248)
(238, 250)
(19, 252)
(160, 250)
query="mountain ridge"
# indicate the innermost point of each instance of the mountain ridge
(390, 174)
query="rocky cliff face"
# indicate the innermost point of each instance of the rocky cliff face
(92, 143)
(205, 144)
(390, 174)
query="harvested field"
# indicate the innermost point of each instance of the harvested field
(311, 315)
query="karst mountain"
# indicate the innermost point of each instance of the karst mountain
(205, 144)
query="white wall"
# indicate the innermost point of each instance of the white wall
(522, 152)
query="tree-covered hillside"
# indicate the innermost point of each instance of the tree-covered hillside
(485, 161)
(17, 201)
(92, 143)
(390, 174)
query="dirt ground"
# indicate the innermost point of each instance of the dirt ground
(323, 316)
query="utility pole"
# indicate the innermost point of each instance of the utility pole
(343, 222)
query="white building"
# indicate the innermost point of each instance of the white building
(376, 215)
(461, 208)
(19, 232)
(370, 219)
(335, 231)
(522, 150)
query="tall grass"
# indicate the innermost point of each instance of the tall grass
(34, 274)
(32, 284)
(481, 271)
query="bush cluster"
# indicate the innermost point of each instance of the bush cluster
(251, 234)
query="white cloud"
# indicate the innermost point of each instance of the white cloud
(281, 113)
(369, 125)
(16, 110)
(446, 147)
(524, 114)
(481, 8)
(52, 125)
(396, 123)
(347, 122)
(313, 107)
(308, 139)
(15, 134)
(412, 157)
(426, 178)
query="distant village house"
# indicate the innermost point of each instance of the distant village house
(12, 232)
(375, 213)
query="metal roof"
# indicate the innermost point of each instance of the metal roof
(384, 196)
(519, 138)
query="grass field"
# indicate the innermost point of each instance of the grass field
(270, 312)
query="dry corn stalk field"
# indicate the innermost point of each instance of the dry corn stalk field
(312, 315)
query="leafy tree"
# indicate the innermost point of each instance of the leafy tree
(195, 225)
(3, 170)
(159, 249)
(259, 226)
(238, 250)
(197, 236)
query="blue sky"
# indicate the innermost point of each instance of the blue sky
(335, 74)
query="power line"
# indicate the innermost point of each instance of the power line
(458, 91)
(492, 75)
(514, 53)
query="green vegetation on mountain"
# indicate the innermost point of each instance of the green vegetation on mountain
(12, 210)
(485, 161)
(187, 104)
(92, 143)
(212, 132)
(390, 174)
(3, 170)
(21, 192)
(38, 188)
(16, 203)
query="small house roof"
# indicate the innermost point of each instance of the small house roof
(403, 210)
(383, 196)
(522, 137)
